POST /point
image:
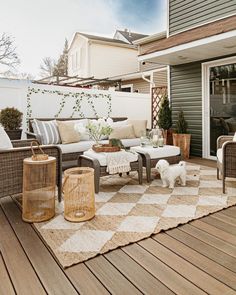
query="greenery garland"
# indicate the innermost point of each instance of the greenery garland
(79, 97)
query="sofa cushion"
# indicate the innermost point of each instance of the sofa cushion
(140, 127)
(219, 155)
(47, 130)
(5, 142)
(67, 132)
(80, 146)
(123, 132)
(131, 142)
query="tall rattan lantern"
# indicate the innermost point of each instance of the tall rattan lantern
(39, 188)
(79, 198)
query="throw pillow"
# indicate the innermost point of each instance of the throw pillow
(140, 127)
(234, 138)
(119, 123)
(67, 132)
(5, 142)
(47, 130)
(123, 132)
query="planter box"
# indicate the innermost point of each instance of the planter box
(183, 142)
(14, 134)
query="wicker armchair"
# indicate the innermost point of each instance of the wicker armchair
(226, 158)
(11, 163)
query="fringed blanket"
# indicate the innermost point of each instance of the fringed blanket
(119, 162)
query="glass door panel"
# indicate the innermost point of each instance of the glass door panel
(222, 103)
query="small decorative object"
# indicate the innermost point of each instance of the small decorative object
(165, 118)
(39, 187)
(160, 141)
(181, 138)
(98, 129)
(144, 141)
(11, 120)
(79, 199)
(155, 137)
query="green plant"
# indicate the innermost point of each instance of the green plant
(181, 124)
(11, 118)
(116, 142)
(165, 115)
(98, 128)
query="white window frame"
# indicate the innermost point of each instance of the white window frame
(128, 85)
(206, 102)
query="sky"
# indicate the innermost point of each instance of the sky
(39, 27)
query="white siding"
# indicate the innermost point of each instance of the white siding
(77, 58)
(107, 61)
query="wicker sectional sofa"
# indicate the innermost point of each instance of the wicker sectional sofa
(71, 151)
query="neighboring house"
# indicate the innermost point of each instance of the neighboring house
(102, 57)
(149, 74)
(200, 51)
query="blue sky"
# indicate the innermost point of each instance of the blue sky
(40, 27)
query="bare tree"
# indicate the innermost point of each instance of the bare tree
(8, 55)
(47, 67)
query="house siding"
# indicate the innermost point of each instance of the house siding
(186, 14)
(186, 95)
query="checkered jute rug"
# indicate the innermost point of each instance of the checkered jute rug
(127, 212)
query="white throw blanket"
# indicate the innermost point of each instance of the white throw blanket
(119, 162)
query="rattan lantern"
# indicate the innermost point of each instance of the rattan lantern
(39, 187)
(79, 199)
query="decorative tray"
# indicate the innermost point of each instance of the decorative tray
(105, 148)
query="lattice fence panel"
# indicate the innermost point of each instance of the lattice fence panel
(157, 95)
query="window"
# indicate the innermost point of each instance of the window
(127, 88)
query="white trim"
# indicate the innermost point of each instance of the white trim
(128, 85)
(168, 19)
(206, 102)
(150, 38)
(202, 24)
(168, 83)
(188, 45)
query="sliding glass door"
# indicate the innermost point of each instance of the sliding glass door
(222, 102)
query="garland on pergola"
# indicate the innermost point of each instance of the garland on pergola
(78, 96)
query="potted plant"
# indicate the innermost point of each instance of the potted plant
(181, 138)
(11, 120)
(165, 119)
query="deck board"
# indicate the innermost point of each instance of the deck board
(214, 269)
(6, 286)
(23, 276)
(54, 280)
(196, 258)
(190, 272)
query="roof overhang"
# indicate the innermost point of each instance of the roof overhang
(150, 38)
(202, 49)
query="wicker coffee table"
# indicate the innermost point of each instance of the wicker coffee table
(97, 162)
(151, 156)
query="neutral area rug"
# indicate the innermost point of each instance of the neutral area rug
(127, 212)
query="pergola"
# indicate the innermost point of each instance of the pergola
(76, 81)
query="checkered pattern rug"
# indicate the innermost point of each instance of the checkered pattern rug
(127, 212)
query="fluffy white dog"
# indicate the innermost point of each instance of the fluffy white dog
(170, 173)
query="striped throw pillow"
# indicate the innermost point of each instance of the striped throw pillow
(47, 130)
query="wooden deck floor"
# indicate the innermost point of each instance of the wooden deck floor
(196, 258)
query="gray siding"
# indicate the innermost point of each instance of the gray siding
(186, 95)
(185, 14)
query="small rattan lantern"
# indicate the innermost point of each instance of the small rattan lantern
(39, 187)
(79, 199)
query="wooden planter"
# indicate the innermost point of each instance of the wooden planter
(183, 142)
(14, 134)
(168, 139)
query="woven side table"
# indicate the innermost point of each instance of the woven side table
(39, 187)
(79, 198)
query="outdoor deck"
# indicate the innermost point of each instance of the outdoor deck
(196, 258)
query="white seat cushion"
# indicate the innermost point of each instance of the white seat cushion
(157, 153)
(219, 155)
(131, 142)
(102, 158)
(5, 142)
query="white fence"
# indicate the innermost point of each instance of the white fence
(13, 93)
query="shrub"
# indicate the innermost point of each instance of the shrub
(165, 115)
(181, 125)
(11, 118)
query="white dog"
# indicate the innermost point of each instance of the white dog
(170, 173)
